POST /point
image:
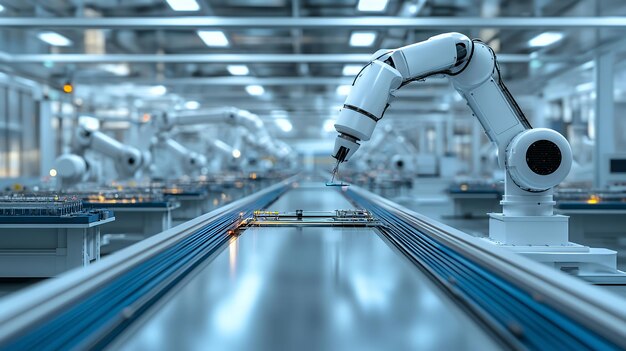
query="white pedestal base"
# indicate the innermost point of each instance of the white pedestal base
(529, 230)
(545, 239)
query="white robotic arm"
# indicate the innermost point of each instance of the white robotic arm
(218, 115)
(191, 161)
(257, 133)
(74, 168)
(535, 159)
(128, 160)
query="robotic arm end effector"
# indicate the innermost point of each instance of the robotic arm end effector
(345, 147)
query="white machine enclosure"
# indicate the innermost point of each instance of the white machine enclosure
(535, 160)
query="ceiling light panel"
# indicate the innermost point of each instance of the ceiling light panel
(372, 5)
(54, 39)
(351, 70)
(545, 39)
(213, 38)
(255, 90)
(157, 90)
(238, 70)
(362, 38)
(343, 90)
(192, 105)
(184, 5)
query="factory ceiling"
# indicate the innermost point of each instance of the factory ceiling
(299, 51)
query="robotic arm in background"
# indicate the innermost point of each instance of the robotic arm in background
(191, 161)
(257, 134)
(73, 168)
(403, 158)
(535, 160)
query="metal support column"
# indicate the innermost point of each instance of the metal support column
(47, 142)
(449, 134)
(604, 118)
(439, 139)
(422, 143)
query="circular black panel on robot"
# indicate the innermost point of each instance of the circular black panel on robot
(543, 157)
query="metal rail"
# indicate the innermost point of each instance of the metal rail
(232, 58)
(538, 308)
(324, 23)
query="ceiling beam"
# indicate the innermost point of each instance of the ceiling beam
(231, 58)
(190, 58)
(234, 81)
(192, 23)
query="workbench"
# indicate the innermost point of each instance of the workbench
(601, 224)
(39, 247)
(133, 222)
(475, 200)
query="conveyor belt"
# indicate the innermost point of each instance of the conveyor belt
(517, 312)
(99, 317)
(310, 288)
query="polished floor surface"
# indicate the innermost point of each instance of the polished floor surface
(309, 288)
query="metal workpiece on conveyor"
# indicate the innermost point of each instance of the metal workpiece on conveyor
(352, 218)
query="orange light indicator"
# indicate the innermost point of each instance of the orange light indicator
(593, 199)
(68, 88)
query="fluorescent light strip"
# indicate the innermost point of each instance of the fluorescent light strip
(157, 90)
(343, 90)
(184, 5)
(192, 105)
(351, 70)
(238, 70)
(255, 90)
(54, 39)
(362, 38)
(214, 38)
(372, 5)
(545, 39)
